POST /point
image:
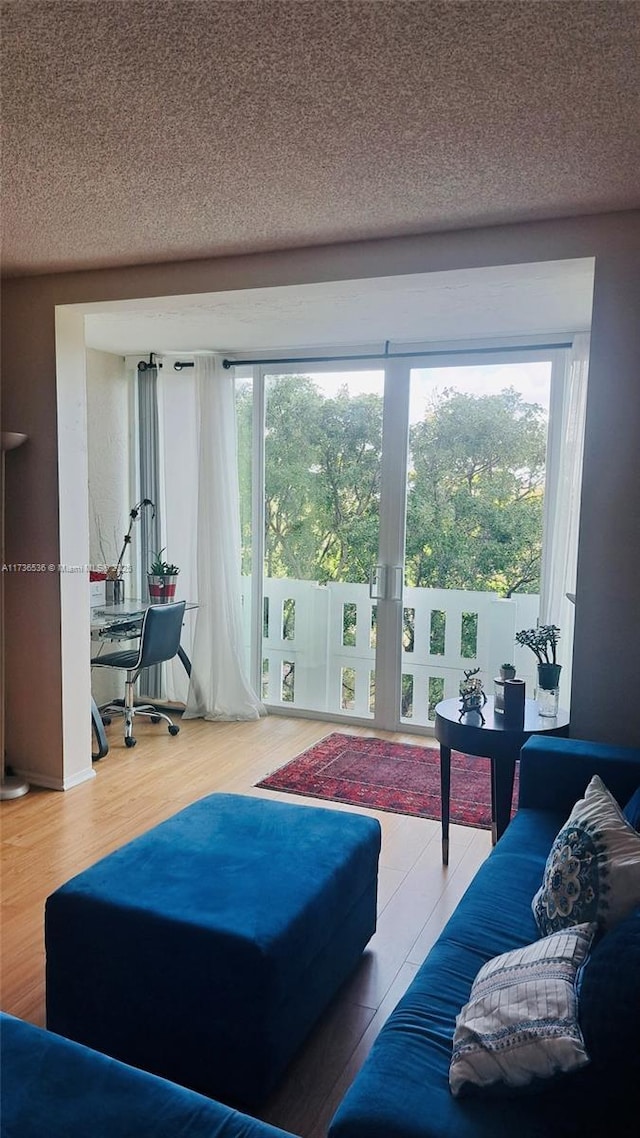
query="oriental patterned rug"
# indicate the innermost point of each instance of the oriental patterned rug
(397, 777)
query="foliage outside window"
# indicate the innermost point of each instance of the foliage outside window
(475, 488)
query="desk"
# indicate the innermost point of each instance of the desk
(121, 622)
(493, 740)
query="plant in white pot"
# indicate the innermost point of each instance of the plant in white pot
(162, 578)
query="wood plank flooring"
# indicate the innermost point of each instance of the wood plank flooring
(48, 836)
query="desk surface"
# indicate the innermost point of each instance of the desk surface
(102, 616)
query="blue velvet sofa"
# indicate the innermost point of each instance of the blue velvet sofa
(402, 1091)
(55, 1088)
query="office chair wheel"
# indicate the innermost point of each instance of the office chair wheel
(173, 729)
(106, 719)
(154, 718)
(129, 741)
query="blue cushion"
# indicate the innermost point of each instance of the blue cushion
(632, 810)
(60, 1089)
(554, 772)
(609, 1001)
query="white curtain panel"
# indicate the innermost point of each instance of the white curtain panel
(563, 518)
(219, 687)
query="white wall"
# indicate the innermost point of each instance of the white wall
(72, 575)
(109, 443)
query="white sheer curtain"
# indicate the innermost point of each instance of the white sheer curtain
(219, 687)
(564, 482)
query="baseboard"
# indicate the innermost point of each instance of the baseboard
(34, 778)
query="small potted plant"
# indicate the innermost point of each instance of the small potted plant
(162, 579)
(507, 672)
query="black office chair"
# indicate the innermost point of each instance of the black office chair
(159, 641)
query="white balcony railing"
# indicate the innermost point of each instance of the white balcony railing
(319, 645)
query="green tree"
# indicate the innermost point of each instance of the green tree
(475, 487)
(292, 489)
(348, 435)
(322, 481)
(474, 513)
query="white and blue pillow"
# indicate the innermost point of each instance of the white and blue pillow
(593, 869)
(520, 1024)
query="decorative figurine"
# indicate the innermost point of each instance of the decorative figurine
(472, 697)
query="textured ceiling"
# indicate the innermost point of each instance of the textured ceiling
(147, 130)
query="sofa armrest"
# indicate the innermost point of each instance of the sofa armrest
(555, 772)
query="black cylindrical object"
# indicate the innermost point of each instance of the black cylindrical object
(514, 692)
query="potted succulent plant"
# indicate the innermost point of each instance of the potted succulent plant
(507, 672)
(543, 642)
(162, 579)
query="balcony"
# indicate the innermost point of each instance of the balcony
(319, 646)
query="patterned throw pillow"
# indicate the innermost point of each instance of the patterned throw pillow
(521, 1021)
(593, 869)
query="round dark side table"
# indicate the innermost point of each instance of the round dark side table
(492, 740)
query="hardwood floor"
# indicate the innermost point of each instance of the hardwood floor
(48, 836)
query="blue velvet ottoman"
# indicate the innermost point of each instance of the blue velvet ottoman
(205, 950)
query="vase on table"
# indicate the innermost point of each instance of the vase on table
(507, 672)
(114, 590)
(548, 696)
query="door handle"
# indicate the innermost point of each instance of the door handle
(377, 582)
(395, 580)
(385, 583)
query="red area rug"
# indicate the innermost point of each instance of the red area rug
(396, 777)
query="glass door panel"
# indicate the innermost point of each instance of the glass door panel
(322, 464)
(403, 516)
(474, 516)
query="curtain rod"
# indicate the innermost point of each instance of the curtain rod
(387, 355)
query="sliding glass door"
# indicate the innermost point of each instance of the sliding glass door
(397, 531)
